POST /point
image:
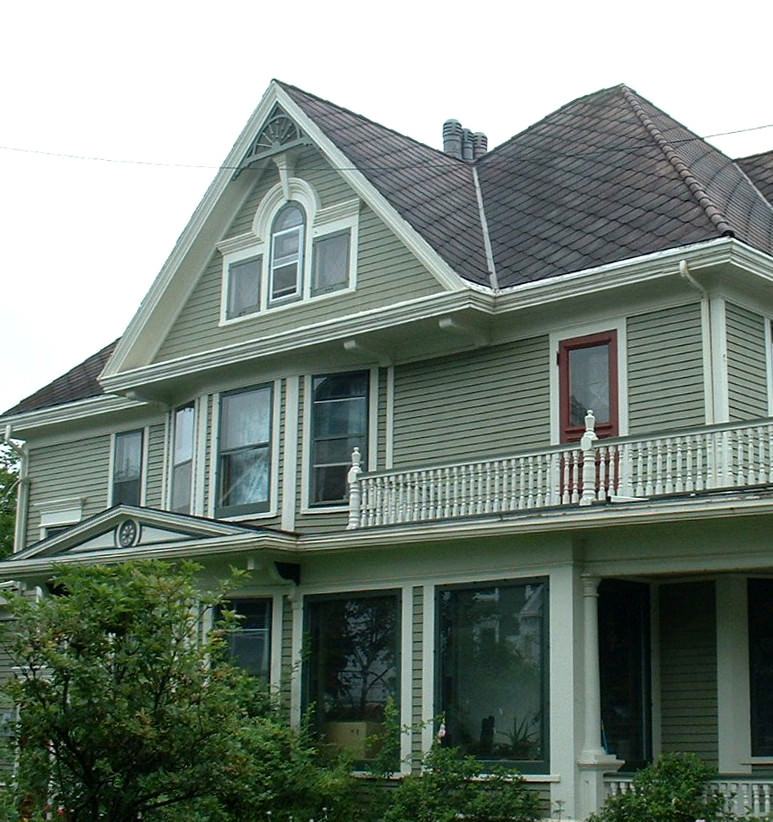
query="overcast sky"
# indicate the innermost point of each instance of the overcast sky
(114, 117)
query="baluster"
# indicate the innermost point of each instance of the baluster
(766, 806)
(565, 472)
(756, 806)
(740, 479)
(554, 479)
(658, 445)
(576, 469)
(688, 457)
(602, 477)
(521, 483)
(487, 487)
(669, 482)
(649, 488)
(529, 482)
(751, 438)
(640, 487)
(541, 497)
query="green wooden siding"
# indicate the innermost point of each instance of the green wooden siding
(688, 669)
(386, 273)
(154, 476)
(72, 469)
(665, 369)
(489, 401)
(747, 371)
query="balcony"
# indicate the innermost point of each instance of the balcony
(719, 457)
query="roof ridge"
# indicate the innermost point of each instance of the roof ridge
(712, 211)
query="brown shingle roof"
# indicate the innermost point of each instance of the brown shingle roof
(79, 383)
(609, 177)
(759, 168)
(432, 191)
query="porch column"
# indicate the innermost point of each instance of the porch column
(593, 762)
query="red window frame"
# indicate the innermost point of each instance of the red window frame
(604, 428)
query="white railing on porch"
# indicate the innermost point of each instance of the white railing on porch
(744, 795)
(682, 462)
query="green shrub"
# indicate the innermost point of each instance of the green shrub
(673, 789)
(450, 787)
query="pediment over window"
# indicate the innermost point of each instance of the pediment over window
(279, 134)
(151, 532)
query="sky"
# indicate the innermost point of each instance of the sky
(115, 117)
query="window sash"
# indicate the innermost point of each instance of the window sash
(588, 381)
(287, 252)
(249, 645)
(244, 287)
(244, 460)
(339, 424)
(127, 468)
(330, 265)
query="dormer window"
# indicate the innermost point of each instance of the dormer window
(296, 251)
(287, 252)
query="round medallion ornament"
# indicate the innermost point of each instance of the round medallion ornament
(127, 533)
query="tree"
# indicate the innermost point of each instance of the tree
(124, 715)
(9, 481)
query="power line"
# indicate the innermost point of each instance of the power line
(385, 167)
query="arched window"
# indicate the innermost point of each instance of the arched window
(287, 251)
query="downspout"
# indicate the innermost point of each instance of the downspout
(684, 271)
(22, 495)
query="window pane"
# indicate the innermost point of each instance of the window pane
(244, 287)
(289, 216)
(339, 423)
(589, 383)
(352, 667)
(249, 646)
(285, 281)
(244, 477)
(286, 245)
(127, 468)
(493, 669)
(183, 434)
(245, 418)
(181, 487)
(331, 262)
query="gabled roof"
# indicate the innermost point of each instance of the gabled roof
(123, 530)
(610, 177)
(79, 383)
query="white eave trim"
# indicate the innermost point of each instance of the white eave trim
(332, 330)
(69, 412)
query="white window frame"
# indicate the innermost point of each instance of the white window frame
(306, 471)
(320, 223)
(194, 404)
(617, 325)
(273, 494)
(143, 468)
(59, 513)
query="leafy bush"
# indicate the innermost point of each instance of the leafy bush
(450, 787)
(673, 789)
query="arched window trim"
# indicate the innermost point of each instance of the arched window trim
(321, 226)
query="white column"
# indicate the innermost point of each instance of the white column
(594, 762)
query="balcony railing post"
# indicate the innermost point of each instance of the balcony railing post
(355, 490)
(588, 460)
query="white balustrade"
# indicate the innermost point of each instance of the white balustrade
(743, 796)
(584, 473)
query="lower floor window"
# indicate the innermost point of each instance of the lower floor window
(352, 667)
(493, 669)
(249, 645)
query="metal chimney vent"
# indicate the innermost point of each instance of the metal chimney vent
(462, 143)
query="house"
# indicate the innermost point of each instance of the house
(490, 429)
